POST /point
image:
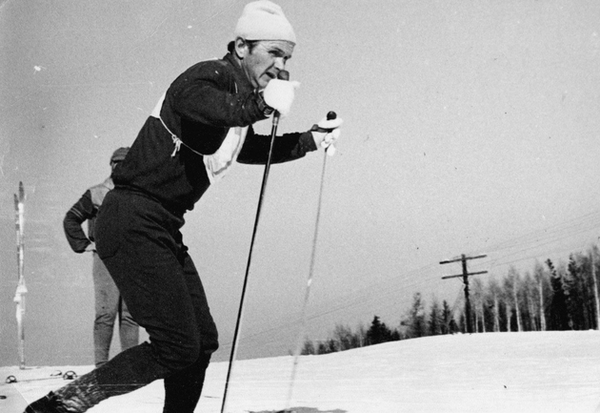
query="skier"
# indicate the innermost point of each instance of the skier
(200, 126)
(108, 301)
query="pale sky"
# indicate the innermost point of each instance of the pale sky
(470, 127)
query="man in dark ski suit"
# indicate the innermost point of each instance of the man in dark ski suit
(108, 301)
(199, 128)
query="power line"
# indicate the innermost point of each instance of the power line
(500, 254)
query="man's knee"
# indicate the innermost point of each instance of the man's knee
(180, 355)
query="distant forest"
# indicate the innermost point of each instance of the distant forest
(562, 297)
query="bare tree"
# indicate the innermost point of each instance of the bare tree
(478, 300)
(539, 276)
(507, 299)
(360, 336)
(529, 292)
(495, 293)
(513, 275)
(342, 335)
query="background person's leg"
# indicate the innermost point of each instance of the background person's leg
(106, 302)
(129, 331)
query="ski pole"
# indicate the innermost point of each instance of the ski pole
(283, 75)
(330, 115)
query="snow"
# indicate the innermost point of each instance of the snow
(491, 372)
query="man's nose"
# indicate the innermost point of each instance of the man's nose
(280, 63)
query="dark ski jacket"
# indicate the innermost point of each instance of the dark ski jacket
(168, 159)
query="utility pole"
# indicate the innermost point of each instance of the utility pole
(465, 276)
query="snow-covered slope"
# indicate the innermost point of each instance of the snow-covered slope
(493, 372)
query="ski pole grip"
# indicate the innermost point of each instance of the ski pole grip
(331, 115)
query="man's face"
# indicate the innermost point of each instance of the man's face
(266, 59)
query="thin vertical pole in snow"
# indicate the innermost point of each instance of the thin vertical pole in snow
(300, 339)
(284, 75)
(21, 288)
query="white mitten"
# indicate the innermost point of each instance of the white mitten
(279, 94)
(326, 132)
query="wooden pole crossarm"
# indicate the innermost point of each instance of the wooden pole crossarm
(463, 275)
(462, 258)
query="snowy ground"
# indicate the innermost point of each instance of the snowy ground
(493, 372)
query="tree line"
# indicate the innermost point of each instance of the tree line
(548, 297)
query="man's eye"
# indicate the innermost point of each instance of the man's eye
(277, 55)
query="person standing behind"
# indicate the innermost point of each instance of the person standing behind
(108, 301)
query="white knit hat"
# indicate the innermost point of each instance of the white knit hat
(264, 20)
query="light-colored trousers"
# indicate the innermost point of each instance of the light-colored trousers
(109, 305)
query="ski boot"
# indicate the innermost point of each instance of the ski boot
(47, 404)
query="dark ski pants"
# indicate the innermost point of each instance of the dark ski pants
(140, 243)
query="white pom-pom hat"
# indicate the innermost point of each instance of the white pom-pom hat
(264, 20)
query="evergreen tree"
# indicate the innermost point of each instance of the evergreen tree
(435, 319)
(577, 290)
(332, 346)
(559, 318)
(587, 292)
(378, 332)
(448, 323)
